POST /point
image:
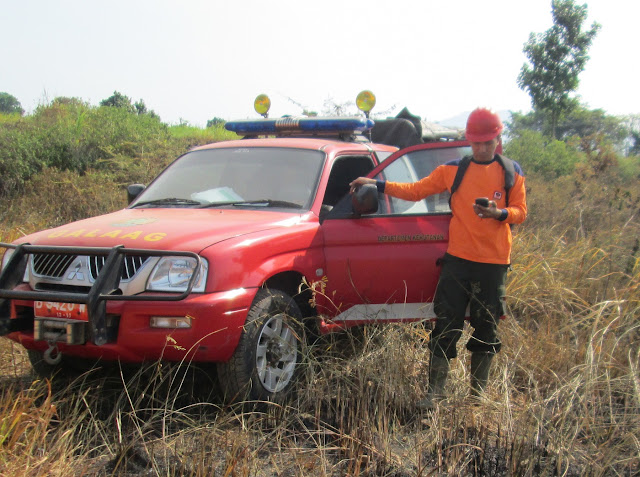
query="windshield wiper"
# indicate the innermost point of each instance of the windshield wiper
(259, 203)
(169, 201)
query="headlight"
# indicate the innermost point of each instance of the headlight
(172, 274)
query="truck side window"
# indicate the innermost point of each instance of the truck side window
(345, 169)
(412, 167)
(401, 170)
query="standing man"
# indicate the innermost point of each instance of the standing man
(474, 269)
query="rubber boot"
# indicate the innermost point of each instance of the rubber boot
(480, 366)
(438, 372)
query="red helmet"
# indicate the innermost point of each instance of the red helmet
(483, 125)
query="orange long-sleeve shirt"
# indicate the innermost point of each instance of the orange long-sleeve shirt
(471, 237)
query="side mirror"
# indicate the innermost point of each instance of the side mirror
(133, 191)
(365, 199)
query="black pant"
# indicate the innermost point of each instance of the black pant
(481, 287)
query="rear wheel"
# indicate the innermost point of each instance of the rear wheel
(266, 362)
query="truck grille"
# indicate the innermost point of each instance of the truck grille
(52, 266)
(55, 265)
(132, 263)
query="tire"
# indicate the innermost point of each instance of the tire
(266, 362)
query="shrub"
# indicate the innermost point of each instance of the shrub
(20, 157)
(540, 155)
(71, 135)
(629, 168)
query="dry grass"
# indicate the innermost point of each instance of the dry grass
(563, 398)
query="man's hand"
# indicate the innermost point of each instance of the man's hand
(359, 182)
(491, 212)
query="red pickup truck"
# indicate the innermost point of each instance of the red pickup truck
(231, 252)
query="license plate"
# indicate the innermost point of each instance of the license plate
(52, 309)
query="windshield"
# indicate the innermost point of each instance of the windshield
(237, 177)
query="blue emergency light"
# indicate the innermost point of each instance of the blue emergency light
(300, 126)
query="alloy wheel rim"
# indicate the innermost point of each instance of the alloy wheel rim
(276, 354)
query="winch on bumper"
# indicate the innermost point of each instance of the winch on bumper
(71, 332)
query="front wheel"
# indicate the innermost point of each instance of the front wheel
(266, 362)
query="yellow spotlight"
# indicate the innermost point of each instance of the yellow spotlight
(262, 104)
(365, 101)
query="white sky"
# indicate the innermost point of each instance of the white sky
(199, 59)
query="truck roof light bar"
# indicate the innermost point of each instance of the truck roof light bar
(300, 126)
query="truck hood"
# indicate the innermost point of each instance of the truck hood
(165, 229)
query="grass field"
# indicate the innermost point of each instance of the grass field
(563, 400)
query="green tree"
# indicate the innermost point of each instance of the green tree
(215, 122)
(9, 104)
(580, 122)
(119, 100)
(141, 108)
(557, 58)
(584, 122)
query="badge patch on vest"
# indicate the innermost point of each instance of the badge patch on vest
(497, 195)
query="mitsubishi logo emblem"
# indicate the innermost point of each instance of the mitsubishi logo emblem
(76, 273)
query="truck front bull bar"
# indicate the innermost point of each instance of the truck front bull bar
(105, 287)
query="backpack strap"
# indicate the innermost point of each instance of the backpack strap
(463, 165)
(509, 174)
